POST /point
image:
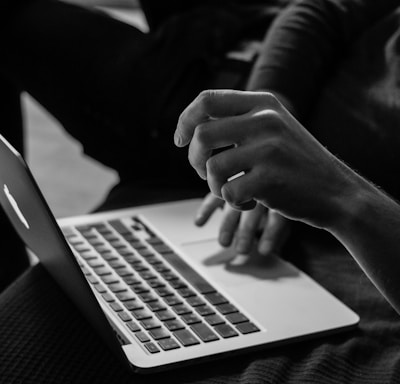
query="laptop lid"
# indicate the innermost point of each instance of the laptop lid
(31, 217)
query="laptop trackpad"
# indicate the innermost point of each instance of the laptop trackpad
(226, 266)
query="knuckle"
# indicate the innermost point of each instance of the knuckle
(201, 134)
(271, 99)
(205, 99)
(213, 166)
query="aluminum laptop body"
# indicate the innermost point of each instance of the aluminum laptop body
(173, 297)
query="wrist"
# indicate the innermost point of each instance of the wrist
(355, 207)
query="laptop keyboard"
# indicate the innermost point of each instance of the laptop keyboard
(161, 299)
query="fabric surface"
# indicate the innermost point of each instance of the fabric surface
(44, 339)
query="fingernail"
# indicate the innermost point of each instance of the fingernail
(198, 220)
(177, 140)
(225, 239)
(265, 247)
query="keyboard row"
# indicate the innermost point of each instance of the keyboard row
(135, 278)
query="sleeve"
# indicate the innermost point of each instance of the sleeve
(306, 42)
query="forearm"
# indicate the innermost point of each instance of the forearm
(369, 227)
(306, 41)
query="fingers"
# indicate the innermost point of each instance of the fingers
(213, 135)
(275, 233)
(228, 226)
(209, 204)
(248, 227)
(215, 104)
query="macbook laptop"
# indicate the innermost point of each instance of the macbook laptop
(161, 292)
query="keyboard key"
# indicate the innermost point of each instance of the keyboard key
(156, 283)
(156, 306)
(236, 318)
(92, 280)
(89, 255)
(216, 298)
(94, 240)
(101, 248)
(115, 264)
(161, 248)
(147, 275)
(204, 332)
(117, 287)
(186, 292)
(204, 310)
(68, 231)
(186, 338)
(187, 272)
(195, 301)
(100, 288)
(144, 252)
(165, 315)
(117, 244)
(133, 326)
(161, 268)
(154, 240)
(150, 324)
(130, 237)
(169, 276)
(109, 256)
(168, 344)
(174, 325)
(139, 267)
(191, 318)
(163, 291)
(102, 271)
(124, 316)
(226, 331)
(125, 252)
(109, 279)
(153, 260)
(176, 284)
(132, 259)
(95, 263)
(81, 247)
(125, 296)
(131, 305)
(110, 237)
(141, 314)
(214, 320)
(116, 307)
(119, 227)
(131, 280)
(139, 288)
(123, 272)
(159, 333)
(142, 337)
(108, 297)
(181, 309)
(172, 300)
(152, 348)
(247, 327)
(226, 308)
(147, 297)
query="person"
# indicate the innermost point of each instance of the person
(98, 77)
(286, 169)
(345, 109)
(44, 339)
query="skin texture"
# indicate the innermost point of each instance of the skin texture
(285, 169)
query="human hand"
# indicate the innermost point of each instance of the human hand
(261, 226)
(281, 165)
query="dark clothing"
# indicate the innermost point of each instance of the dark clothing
(42, 336)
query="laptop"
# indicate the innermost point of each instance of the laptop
(161, 292)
